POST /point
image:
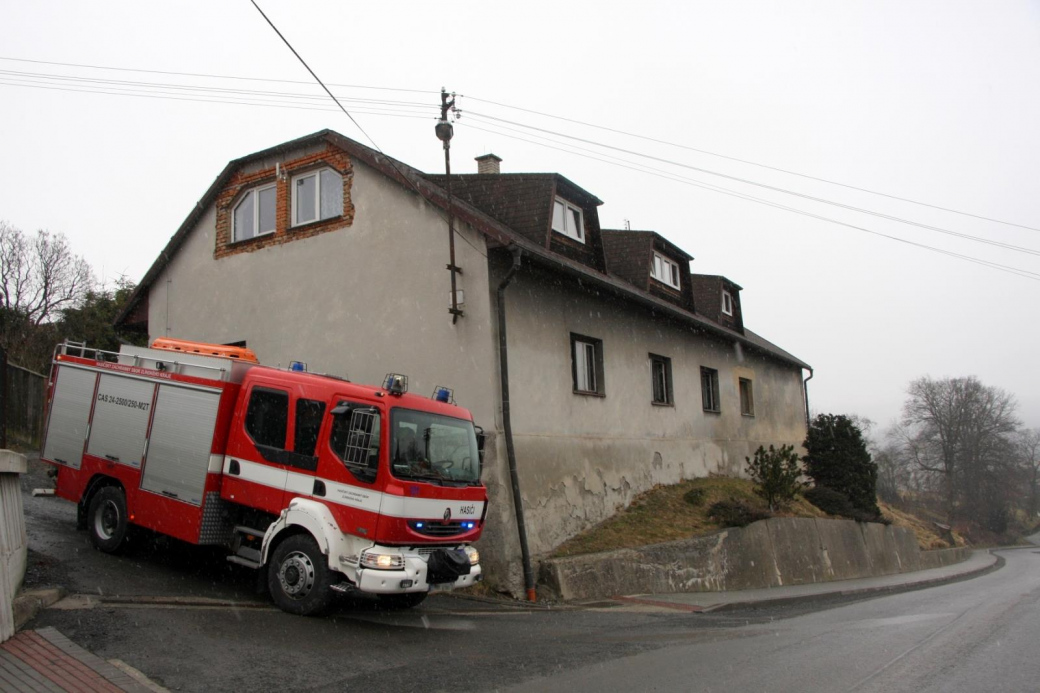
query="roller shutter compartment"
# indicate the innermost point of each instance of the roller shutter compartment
(69, 417)
(120, 423)
(179, 448)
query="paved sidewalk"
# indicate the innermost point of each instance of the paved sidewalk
(980, 562)
(45, 660)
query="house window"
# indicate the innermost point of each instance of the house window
(587, 365)
(661, 379)
(665, 271)
(254, 214)
(747, 398)
(710, 389)
(727, 303)
(567, 219)
(316, 196)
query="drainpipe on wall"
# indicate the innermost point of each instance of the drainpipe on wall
(805, 389)
(514, 477)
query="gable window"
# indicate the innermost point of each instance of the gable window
(316, 195)
(710, 389)
(661, 379)
(727, 303)
(254, 214)
(567, 219)
(587, 365)
(747, 398)
(665, 271)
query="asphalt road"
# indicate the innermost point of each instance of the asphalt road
(977, 635)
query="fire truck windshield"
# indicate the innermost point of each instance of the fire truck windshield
(433, 448)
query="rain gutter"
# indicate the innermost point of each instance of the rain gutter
(507, 425)
(805, 390)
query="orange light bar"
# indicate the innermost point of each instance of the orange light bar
(203, 349)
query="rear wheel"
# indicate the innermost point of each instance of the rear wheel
(402, 601)
(107, 520)
(298, 577)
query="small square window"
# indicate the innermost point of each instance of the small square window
(316, 196)
(665, 271)
(567, 219)
(587, 365)
(710, 389)
(747, 398)
(661, 379)
(727, 303)
(254, 215)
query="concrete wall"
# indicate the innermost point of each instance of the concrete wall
(770, 553)
(582, 457)
(13, 543)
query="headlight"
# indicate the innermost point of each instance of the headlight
(474, 555)
(382, 561)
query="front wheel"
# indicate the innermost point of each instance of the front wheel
(107, 521)
(402, 601)
(298, 577)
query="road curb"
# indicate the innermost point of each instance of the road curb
(31, 602)
(863, 592)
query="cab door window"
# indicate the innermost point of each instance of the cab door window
(355, 439)
(309, 413)
(267, 417)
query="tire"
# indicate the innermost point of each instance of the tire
(107, 520)
(407, 600)
(298, 577)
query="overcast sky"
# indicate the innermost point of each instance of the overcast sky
(935, 102)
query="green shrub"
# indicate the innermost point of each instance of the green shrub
(776, 475)
(736, 513)
(836, 503)
(837, 458)
(695, 496)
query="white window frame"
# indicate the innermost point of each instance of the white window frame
(665, 271)
(727, 302)
(577, 234)
(316, 173)
(255, 192)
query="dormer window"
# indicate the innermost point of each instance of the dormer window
(254, 214)
(727, 302)
(567, 219)
(316, 195)
(665, 271)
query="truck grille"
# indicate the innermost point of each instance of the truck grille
(439, 529)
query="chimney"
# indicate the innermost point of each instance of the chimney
(488, 163)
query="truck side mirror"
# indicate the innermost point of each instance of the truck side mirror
(481, 439)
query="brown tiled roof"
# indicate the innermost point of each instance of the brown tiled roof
(521, 201)
(628, 255)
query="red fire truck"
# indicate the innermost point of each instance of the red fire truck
(327, 485)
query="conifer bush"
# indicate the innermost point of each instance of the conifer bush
(776, 474)
(837, 458)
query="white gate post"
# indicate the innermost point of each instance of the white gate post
(12, 537)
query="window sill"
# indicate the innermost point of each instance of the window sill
(666, 286)
(562, 236)
(586, 393)
(749, 416)
(662, 404)
(247, 241)
(712, 411)
(312, 224)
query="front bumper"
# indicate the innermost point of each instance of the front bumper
(412, 578)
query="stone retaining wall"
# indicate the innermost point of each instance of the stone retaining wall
(769, 553)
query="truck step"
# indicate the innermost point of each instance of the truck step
(242, 529)
(243, 561)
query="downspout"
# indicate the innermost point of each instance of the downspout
(514, 477)
(805, 390)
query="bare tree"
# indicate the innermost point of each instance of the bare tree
(39, 276)
(958, 429)
(1029, 453)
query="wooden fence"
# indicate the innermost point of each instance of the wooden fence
(25, 395)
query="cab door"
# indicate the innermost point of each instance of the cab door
(350, 474)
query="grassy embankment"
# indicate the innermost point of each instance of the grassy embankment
(666, 513)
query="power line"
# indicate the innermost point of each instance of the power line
(171, 97)
(209, 76)
(332, 96)
(753, 163)
(1027, 274)
(774, 188)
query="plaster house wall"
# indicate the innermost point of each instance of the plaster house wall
(582, 457)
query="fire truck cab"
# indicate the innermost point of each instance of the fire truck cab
(327, 485)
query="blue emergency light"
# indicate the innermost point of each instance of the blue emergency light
(444, 394)
(298, 366)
